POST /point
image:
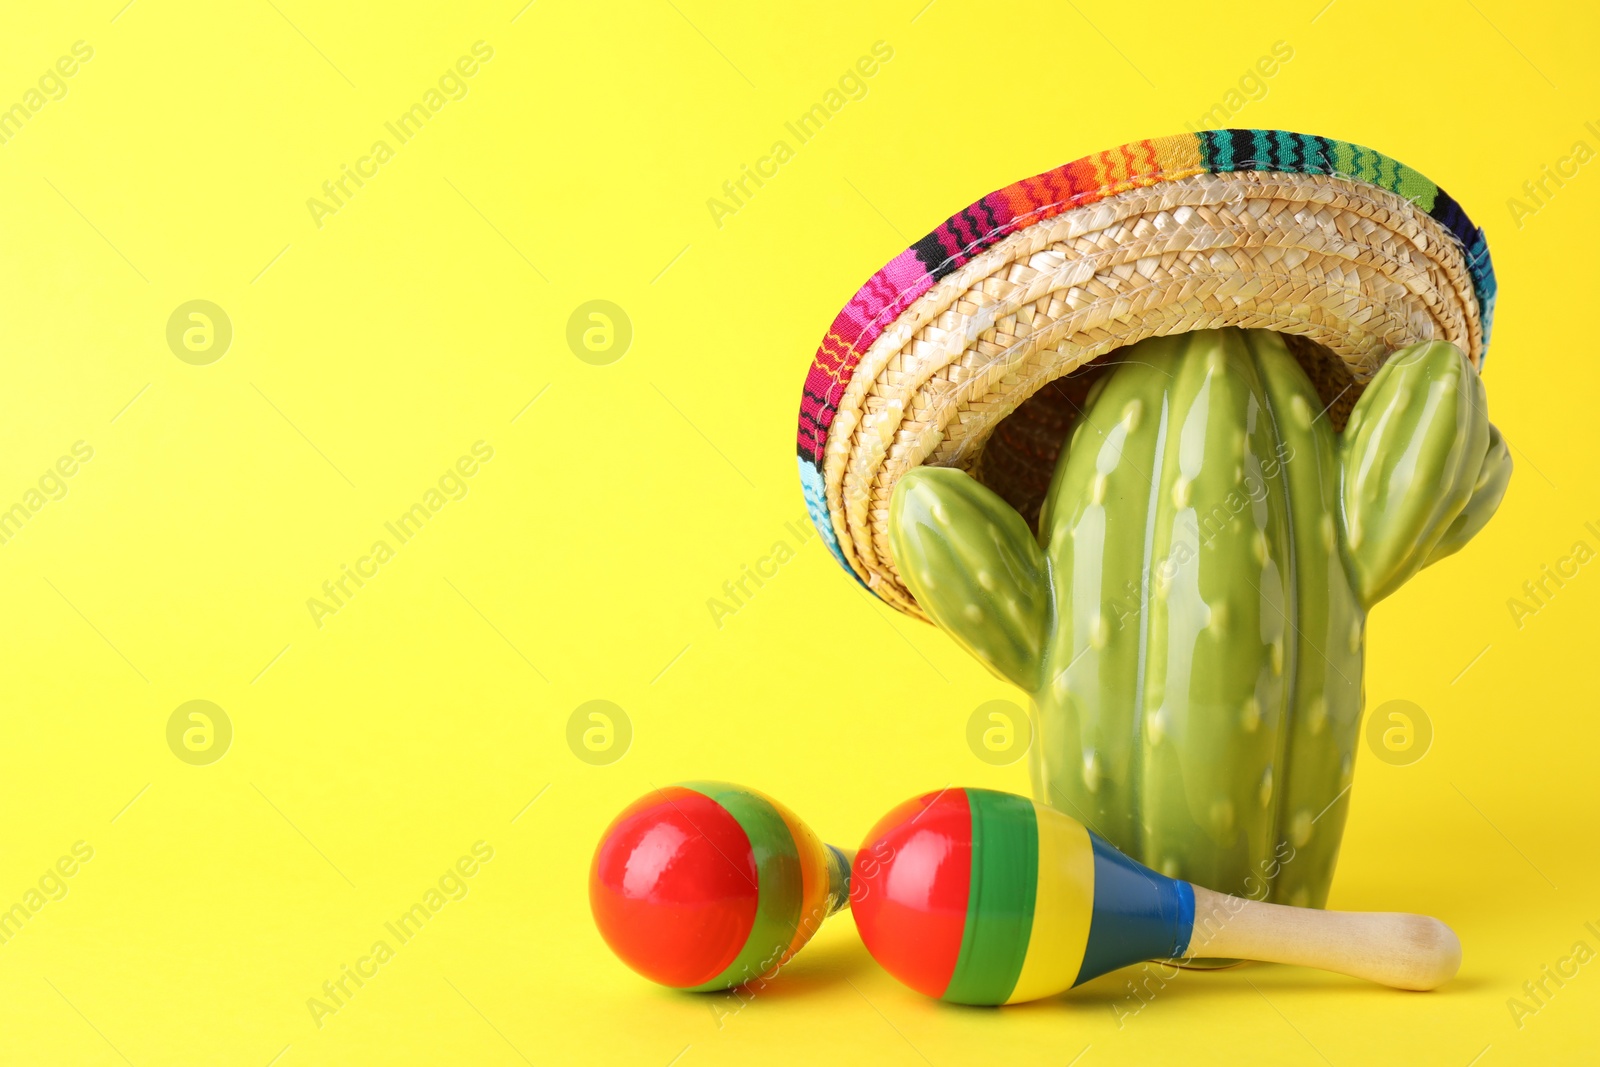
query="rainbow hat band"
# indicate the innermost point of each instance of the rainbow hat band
(979, 897)
(1351, 253)
(707, 885)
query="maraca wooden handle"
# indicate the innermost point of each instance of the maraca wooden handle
(1394, 949)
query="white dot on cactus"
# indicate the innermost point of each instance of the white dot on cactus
(1277, 657)
(986, 580)
(973, 613)
(1355, 636)
(1099, 632)
(1300, 828)
(1131, 415)
(1317, 714)
(1169, 867)
(940, 515)
(1217, 618)
(1097, 489)
(1182, 491)
(1301, 411)
(1345, 769)
(1265, 793)
(1260, 546)
(927, 579)
(1327, 533)
(1215, 362)
(1250, 715)
(1091, 771)
(1156, 726)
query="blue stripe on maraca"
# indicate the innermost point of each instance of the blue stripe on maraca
(1138, 914)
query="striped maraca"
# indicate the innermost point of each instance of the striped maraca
(707, 885)
(980, 897)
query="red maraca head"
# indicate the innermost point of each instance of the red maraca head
(708, 885)
(673, 887)
(909, 888)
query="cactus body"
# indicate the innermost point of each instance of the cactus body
(1190, 620)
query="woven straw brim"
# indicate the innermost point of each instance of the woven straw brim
(1354, 269)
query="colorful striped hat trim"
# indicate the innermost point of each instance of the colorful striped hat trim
(879, 306)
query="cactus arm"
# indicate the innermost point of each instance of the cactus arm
(974, 568)
(1411, 455)
(1481, 506)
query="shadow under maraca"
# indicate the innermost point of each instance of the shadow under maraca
(821, 967)
(1128, 992)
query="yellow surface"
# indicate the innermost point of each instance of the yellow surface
(369, 754)
(1063, 906)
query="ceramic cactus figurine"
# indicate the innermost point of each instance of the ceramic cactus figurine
(1223, 511)
(1189, 620)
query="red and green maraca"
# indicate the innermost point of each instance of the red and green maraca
(707, 885)
(980, 897)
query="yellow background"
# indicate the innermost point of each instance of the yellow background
(368, 354)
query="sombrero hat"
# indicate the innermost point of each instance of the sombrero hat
(940, 358)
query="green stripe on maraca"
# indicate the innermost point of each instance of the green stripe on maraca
(1000, 902)
(778, 877)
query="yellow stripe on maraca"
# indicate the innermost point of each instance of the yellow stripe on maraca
(813, 876)
(1062, 909)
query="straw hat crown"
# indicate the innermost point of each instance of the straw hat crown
(1348, 251)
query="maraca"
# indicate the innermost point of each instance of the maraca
(979, 897)
(706, 885)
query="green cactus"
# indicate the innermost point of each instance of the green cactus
(1191, 629)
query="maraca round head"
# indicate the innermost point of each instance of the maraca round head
(707, 885)
(979, 897)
